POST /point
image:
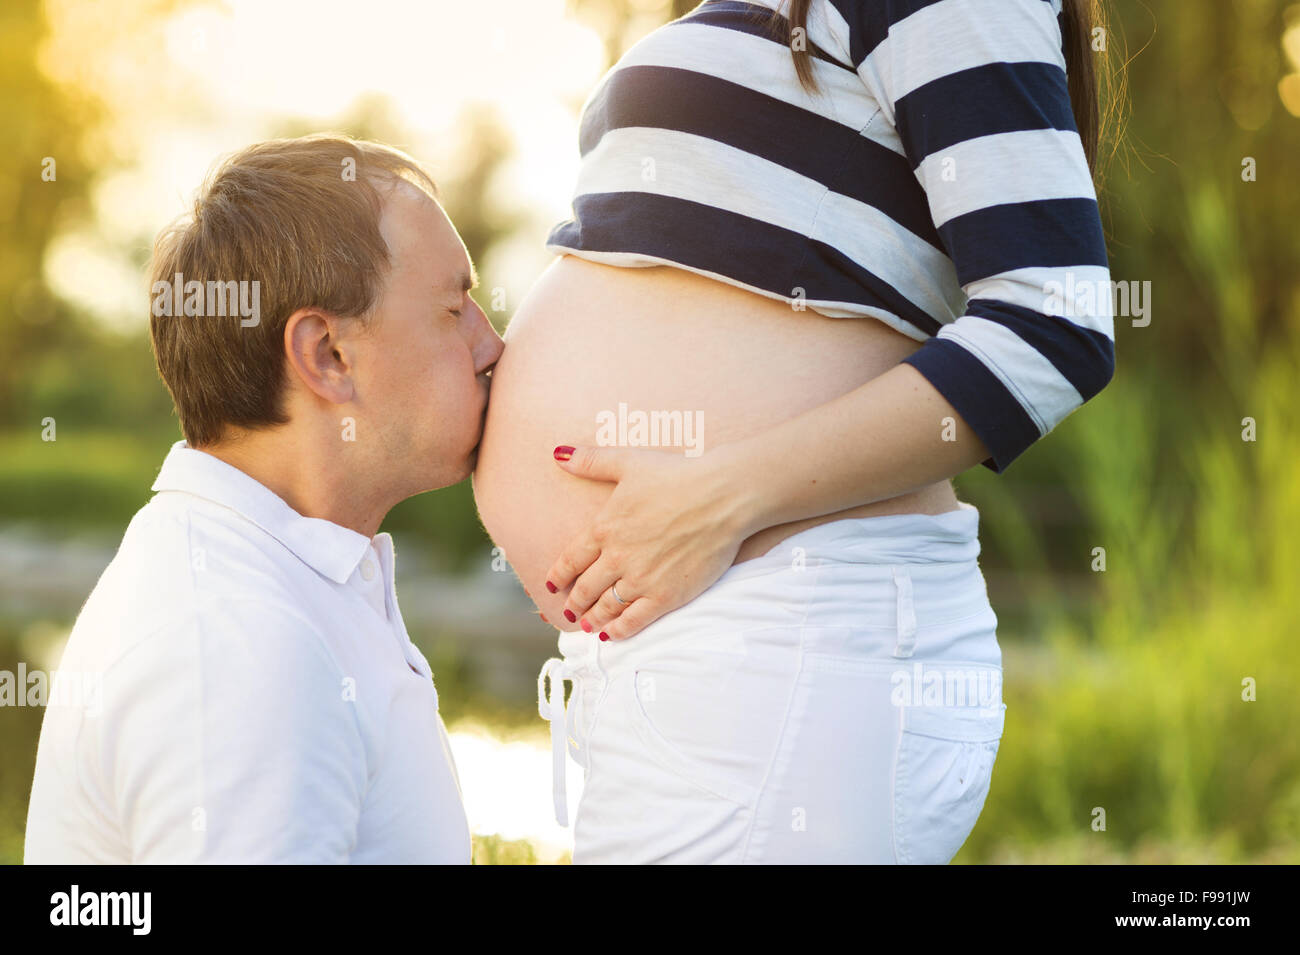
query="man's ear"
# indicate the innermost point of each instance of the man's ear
(318, 356)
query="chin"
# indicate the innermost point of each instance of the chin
(465, 470)
(458, 473)
(436, 478)
(450, 465)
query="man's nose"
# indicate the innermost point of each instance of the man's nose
(490, 345)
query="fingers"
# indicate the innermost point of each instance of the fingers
(594, 582)
(636, 616)
(607, 607)
(595, 464)
(575, 560)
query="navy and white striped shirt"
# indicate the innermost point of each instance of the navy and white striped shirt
(934, 181)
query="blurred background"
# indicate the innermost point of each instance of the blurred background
(1142, 560)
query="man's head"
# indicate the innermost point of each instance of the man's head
(318, 294)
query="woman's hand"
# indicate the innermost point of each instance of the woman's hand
(671, 528)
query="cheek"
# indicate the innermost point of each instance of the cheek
(402, 384)
(450, 392)
(417, 367)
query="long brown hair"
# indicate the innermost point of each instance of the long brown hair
(1091, 75)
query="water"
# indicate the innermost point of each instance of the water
(506, 785)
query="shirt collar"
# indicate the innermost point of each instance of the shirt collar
(328, 548)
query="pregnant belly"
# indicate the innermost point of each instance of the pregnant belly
(600, 355)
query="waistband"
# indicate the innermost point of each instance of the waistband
(950, 537)
(893, 541)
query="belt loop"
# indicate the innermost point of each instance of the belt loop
(552, 708)
(906, 615)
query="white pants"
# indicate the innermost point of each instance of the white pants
(837, 700)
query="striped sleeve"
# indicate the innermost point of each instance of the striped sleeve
(977, 92)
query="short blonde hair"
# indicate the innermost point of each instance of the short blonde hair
(301, 218)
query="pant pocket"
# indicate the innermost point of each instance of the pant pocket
(941, 778)
(649, 797)
(669, 755)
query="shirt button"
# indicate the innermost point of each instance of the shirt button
(367, 569)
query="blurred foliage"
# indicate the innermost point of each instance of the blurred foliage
(41, 122)
(1139, 706)
(1147, 713)
(21, 726)
(493, 850)
(1124, 687)
(462, 697)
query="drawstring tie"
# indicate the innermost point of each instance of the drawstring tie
(551, 709)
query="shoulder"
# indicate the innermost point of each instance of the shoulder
(866, 24)
(186, 577)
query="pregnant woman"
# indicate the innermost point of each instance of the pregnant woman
(817, 260)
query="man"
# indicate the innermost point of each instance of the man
(261, 701)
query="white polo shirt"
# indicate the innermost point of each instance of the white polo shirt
(260, 700)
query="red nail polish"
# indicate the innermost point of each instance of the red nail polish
(550, 586)
(604, 635)
(568, 615)
(563, 452)
(543, 616)
(586, 626)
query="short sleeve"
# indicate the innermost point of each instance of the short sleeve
(977, 91)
